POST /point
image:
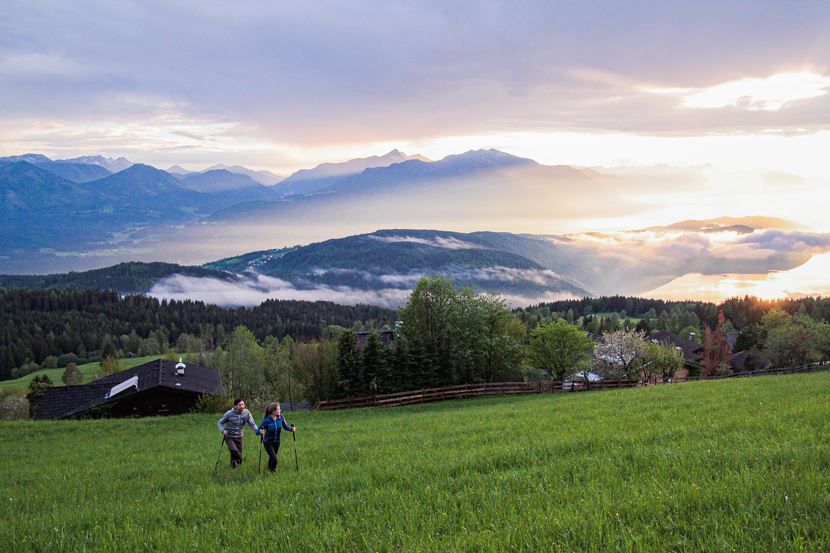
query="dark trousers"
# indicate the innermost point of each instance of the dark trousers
(272, 449)
(235, 447)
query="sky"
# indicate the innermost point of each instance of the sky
(737, 94)
(289, 84)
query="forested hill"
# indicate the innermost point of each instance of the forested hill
(742, 312)
(128, 278)
(37, 323)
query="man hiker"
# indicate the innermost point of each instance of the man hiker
(231, 425)
(272, 425)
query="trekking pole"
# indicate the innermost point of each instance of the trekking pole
(218, 456)
(259, 463)
(296, 463)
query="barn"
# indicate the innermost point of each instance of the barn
(156, 388)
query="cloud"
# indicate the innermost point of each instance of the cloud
(541, 277)
(640, 261)
(755, 94)
(40, 65)
(294, 75)
(253, 291)
(780, 241)
(482, 276)
(446, 242)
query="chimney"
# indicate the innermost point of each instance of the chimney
(180, 368)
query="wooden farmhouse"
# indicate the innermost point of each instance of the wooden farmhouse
(155, 388)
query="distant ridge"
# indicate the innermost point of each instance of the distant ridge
(308, 181)
(130, 277)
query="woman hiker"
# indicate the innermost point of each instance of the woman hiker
(231, 425)
(271, 427)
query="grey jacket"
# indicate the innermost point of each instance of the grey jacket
(233, 422)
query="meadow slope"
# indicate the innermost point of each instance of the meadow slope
(733, 465)
(88, 370)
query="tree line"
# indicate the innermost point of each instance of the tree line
(443, 335)
(77, 326)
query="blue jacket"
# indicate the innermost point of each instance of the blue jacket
(273, 428)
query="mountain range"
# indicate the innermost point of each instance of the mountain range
(74, 214)
(88, 218)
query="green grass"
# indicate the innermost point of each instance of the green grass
(88, 370)
(609, 314)
(731, 465)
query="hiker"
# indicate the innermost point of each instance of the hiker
(270, 429)
(231, 425)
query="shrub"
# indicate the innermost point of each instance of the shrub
(72, 375)
(213, 403)
(27, 368)
(37, 387)
(13, 405)
(109, 365)
(67, 358)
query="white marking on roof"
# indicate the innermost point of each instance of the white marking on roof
(126, 385)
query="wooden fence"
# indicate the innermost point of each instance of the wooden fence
(811, 367)
(470, 390)
(510, 388)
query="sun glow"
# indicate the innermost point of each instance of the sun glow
(753, 94)
(809, 279)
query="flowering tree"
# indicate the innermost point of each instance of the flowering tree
(620, 354)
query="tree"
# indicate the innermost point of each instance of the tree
(26, 368)
(317, 368)
(50, 362)
(691, 333)
(350, 376)
(559, 348)
(108, 348)
(716, 350)
(37, 387)
(278, 367)
(402, 366)
(241, 365)
(661, 360)
(72, 375)
(149, 347)
(109, 365)
(620, 354)
(465, 337)
(374, 363)
(790, 341)
(427, 316)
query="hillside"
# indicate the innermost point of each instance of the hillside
(737, 465)
(88, 370)
(396, 259)
(133, 277)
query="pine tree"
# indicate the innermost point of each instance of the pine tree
(350, 379)
(375, 368)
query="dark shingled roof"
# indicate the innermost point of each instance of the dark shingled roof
(385, 337)
(691, 350)
(67, 401)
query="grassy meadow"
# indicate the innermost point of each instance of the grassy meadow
(87, 369)
(731, 465)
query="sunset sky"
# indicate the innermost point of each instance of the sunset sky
(285, 85)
